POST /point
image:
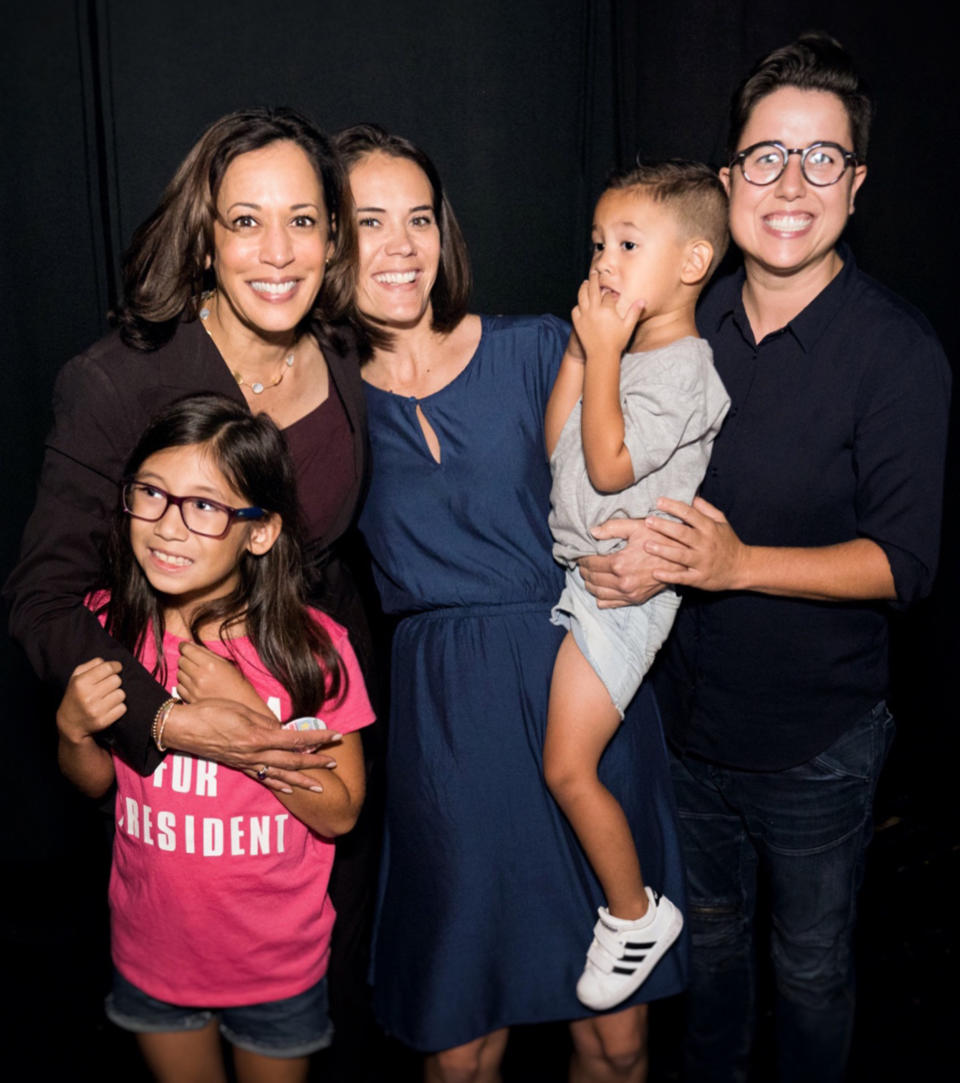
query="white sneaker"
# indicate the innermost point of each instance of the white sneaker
(623, 953)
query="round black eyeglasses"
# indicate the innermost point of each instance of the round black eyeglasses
(821, 164)
(200, 515)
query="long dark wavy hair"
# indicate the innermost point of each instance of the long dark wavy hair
(451, 291)
(168, 265)
(268, 602)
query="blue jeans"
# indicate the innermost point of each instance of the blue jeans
(804, 830)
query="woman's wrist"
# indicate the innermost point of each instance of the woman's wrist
(160, 722)
(743, 577)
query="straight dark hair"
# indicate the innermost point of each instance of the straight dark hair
(815, 61)
(451, 291)
(269, 599)
(167, 268)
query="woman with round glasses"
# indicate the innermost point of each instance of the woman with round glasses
(821, 164)
(231, 285)
(821, 509)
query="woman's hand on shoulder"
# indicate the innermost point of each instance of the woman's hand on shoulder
(93, 700)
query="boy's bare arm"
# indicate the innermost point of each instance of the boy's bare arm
(608, 460)
(604, 330)
(566, 391)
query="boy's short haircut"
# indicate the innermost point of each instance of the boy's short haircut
(694, 193)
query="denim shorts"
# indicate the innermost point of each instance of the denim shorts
(294, 1027)
(620, 644)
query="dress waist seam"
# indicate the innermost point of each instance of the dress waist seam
(485, 610)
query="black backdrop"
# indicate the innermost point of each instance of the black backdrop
(524, 106)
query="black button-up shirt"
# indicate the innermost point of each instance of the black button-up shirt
(837, 431)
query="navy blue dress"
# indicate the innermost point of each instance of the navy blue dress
(486, 900)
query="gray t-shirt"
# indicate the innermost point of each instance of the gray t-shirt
(673, 405)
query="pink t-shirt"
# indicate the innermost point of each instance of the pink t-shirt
(218, 894)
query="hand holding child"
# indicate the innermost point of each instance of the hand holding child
(627, 576)
(94, 700)
(604, 321)
(701, 547)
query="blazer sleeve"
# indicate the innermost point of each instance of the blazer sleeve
(95, 424)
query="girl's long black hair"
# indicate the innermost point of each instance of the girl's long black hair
(269, 601)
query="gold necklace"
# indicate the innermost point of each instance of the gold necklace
(257, 387)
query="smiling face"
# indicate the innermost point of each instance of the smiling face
(271, 240)
(187, 569)
(399, 240)
(791, 227)
(638, 250)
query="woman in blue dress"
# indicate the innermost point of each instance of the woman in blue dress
(484, 889)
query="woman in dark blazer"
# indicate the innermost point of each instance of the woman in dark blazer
(222, 293)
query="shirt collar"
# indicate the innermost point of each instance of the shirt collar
(808, 325)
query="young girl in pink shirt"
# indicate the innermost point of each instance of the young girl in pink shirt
(220, 919)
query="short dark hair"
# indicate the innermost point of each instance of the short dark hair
(269, 599)
(815, 61)
(451, 291)
(692, 190)
(165, 270)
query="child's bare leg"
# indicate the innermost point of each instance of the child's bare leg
(184, 1056)
(256, 1068)
(580, 723)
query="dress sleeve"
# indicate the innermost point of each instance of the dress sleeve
(553, 336)
(900, 452)
(60, 559)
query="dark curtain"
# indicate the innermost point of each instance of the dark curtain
(525, 107)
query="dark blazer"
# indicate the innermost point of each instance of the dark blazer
(103, 401)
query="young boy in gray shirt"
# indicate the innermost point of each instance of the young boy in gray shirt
(631, 418)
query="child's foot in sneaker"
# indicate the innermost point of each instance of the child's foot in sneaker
(623, 953)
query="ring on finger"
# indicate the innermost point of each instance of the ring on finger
(262, 773)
